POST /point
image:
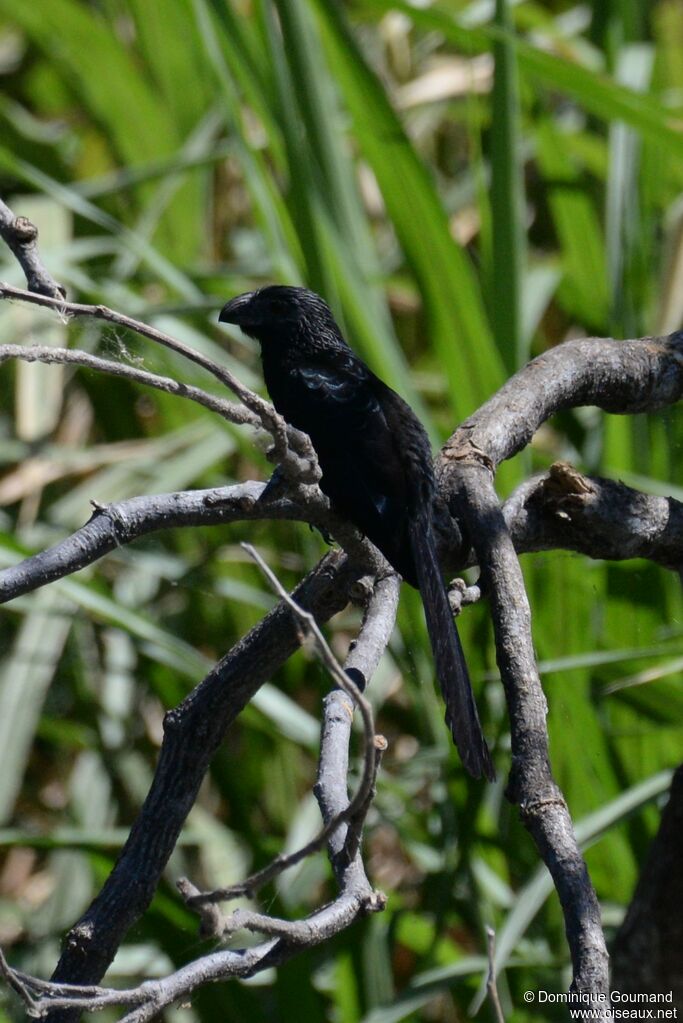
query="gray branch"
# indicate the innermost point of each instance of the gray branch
(601, 518)
(192, 734)
(560, 509)
(229, 410)
(356, 896)
(115, 525)
(360, 664)
(531, 786)
(621, 377)
(21, 236)
(353, 811)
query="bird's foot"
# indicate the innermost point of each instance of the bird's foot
(276, 483)
(323, 532)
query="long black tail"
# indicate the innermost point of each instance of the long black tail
(461, 711)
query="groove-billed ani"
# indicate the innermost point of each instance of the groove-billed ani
(376, 466)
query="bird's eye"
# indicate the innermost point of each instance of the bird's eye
(279, 306)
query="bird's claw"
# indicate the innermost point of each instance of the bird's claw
(323, 532)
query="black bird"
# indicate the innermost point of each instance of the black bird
(376, 466)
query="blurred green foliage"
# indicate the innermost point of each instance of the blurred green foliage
(469, 183)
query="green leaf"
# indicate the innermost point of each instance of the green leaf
(455, 316)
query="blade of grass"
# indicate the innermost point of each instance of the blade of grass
(26, 675)
(454, 309)
(507, 200)
(230, 65)
(623, 214)
(71, 198)
(534, 893)
(584, 290)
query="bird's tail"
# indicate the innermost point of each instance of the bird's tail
(461, 711)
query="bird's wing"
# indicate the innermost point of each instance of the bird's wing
(372, 446)
(343, 414)
(342, 387)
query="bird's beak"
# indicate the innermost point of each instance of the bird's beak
(237, 309)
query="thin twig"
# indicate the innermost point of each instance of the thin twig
(21, 236)
(229, 410)
(491, 986)
(66, 996)
(342, 679)
(17, 985)
(373, 746)
(301, 463)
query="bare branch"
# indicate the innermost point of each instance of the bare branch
(375, 632)
(118, 524)
(14, 981)
(229, 410)
(360, 664)
(148, 1000)
(21, 236)
(353, 810)
(491, 987)
(542, 807)
(344, 682)
(356, 896)
(43, 996)
(598, 517)
(622, 377)
(559, 509)
(192, 733)
(298, 460)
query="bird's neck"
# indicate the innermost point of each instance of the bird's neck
(286, 346)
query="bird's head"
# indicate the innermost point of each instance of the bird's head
(279, 312)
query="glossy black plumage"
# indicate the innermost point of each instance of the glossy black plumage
(376, 466)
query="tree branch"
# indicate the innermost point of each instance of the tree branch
(621, 377)
(542, 807)
(617, 376)
(360, 664)
(63, 1001)
(356, 808)
(298, 459)
(21, 236)
(115, 525)
(598, 517)
(192, 733)
(229, 410)
(560, 509)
